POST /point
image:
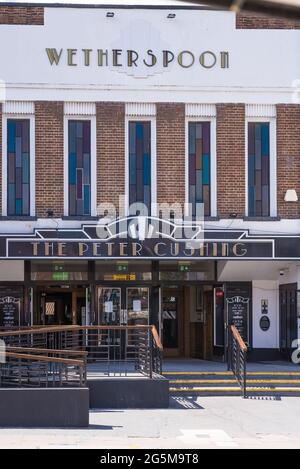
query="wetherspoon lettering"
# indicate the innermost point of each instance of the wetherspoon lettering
(131, 58)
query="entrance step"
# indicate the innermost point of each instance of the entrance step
(224, 383)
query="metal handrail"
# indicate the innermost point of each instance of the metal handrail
(137, 346)
(26, 368)
(237, 358)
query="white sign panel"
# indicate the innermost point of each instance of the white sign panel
(140, 54)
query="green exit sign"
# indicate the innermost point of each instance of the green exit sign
(60, 276)
(59, 268)
(122, 268)
(184, 268)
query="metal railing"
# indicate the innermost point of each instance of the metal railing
(33, 369)
(110, 349)
(237, 358)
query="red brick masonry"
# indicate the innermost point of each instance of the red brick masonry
(21, 15)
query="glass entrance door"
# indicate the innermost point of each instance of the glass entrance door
(109, 306)
(137, 306)
(172, 325)
(123, 306)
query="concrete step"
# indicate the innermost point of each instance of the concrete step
(189, 374)
(224, 383)
(276, 391)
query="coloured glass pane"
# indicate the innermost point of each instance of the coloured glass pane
(199, 166)
(18, 167)
(140, 163)
(258, 169)
(79, 168)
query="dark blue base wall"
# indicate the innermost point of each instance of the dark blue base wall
(44, 407)
(131, 393)
(264, 355)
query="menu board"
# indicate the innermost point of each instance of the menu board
(238, 302)
(11, 300)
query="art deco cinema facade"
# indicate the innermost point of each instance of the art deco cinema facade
(105, 109)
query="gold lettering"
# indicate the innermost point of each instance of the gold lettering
(136, 249)
(87, 55)
(181, 61)
(239, 250)
(61, 247)
(102, 54)
(175, 249)
(168, 57)
(116, 55)
(110, 249)
(215, 249)
(153, 59)
(189, 251)
(132, 57)
(54, 56)
(204, 250)
(203, 60)
(224, 249)
(47, 249)
(96, 248)
(157, 249)
(224, 59)
(71, 54)
(83, 247)
(35, 249)
(123, 247)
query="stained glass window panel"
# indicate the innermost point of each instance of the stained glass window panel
(199, 166)
(140, 163)
(258, 169)
(18, 167)
(79, 168)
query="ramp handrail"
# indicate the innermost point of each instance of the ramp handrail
(135, 347)
(24, 368)
(237, 358)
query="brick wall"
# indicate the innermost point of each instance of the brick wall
(170, 124)
(21, 15)
(110, 152)
(288, 157)
(249, 20)
(49, 150)
(231, 159)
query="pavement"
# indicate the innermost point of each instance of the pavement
(211, 422)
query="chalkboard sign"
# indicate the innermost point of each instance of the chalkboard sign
(238, 303)
(11, 300)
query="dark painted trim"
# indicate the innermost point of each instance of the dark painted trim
(261, 218)
(85, 218)
(17, 218)
(110, 6)
(264, 354)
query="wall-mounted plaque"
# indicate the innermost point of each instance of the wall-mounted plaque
(265, 323)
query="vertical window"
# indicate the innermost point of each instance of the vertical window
(79, 168)
(140, 163)
(199, 166)
(258, 169)
(18, 167)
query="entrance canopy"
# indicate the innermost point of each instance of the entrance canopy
(143, 237)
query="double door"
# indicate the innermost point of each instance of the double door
(123, 306)
(288, 318)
